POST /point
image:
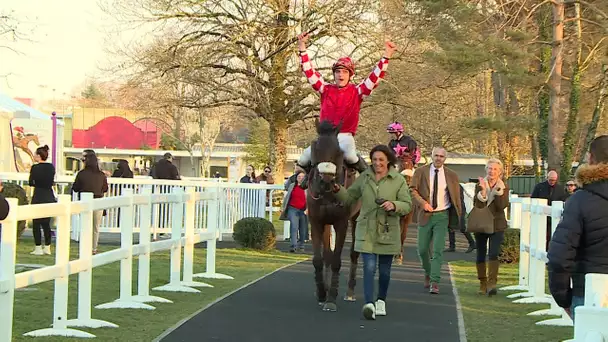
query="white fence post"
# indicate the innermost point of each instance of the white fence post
(143, 269)
(538, 239)
(515, 222)
(76, 220)
(176, 249)
(212, 226)
(8, 253)
(62, 258)
(189, 242)
(85, 277)
(524, 250)
(126, 264)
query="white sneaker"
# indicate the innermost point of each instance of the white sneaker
(37, 251)
(380, 307)
(369, 311)
(46, 250)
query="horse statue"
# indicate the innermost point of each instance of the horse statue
(324, 210)
(406, 167)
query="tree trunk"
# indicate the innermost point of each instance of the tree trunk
(278, 99)
(555, 86)
(597, 113)
(571, 132)
(278, 148)
(535, 156)
(543, 18)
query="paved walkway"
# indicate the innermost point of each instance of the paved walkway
(283, 307)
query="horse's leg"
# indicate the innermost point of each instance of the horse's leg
(336, 264)
(354, 258)
(404, 222)
(317, 260)
(327, 255)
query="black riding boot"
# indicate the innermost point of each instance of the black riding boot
(360, 165)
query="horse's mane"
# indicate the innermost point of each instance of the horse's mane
(325, 128)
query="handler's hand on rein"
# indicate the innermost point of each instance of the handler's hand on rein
(388, 206)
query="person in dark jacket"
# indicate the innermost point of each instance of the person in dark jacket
(249, 176)
(92, 179)
(122, 170)
(461, 226)
(580, 242)
(164, 169)
(42, 178)
(551, 191)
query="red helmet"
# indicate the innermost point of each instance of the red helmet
(344, 63)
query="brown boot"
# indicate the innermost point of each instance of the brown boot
(483, 280)
(492, 276)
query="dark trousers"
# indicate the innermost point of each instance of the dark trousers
(493, 240)
(45, 225)
(452, 238)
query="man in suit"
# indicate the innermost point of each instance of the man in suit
(436, 191)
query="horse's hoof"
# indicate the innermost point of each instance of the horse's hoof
(331, 307)
(350, 298)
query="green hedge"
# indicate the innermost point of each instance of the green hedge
(14, 190)
(509, 253)
(255, 232)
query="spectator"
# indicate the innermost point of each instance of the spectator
(550, 191)
(164, 168)
(580, 243)
(249, 176)
(491, 192)
(122, 171)
(92, 179)
(570, 188)
(266, 176)
(294, 210)
(459, 223)
(42, 178)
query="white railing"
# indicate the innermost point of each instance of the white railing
(530, 217)
(183, 234)
(235, 200)
(591, 318)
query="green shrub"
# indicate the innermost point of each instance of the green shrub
(14, 190)
(509, 253)
(255, 232)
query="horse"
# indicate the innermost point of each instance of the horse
(324, 209)
(406, 164)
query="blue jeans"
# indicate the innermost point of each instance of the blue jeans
(576, 301)
(298, 223)
(369, 273)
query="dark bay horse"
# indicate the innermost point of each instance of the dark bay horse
(406, 165)
(325, 210)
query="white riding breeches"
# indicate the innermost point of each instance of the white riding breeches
(347, 145)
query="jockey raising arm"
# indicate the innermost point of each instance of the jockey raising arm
(341, 100)
(403, 143)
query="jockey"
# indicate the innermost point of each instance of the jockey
(341, 100)
(403, 143)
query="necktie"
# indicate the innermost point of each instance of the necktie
(435, 186)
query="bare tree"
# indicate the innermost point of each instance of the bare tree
(243, 53)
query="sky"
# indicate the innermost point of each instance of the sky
(63, 46)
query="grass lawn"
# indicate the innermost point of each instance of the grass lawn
(498, 319)
(34, 305)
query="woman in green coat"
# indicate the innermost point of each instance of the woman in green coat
(384, 196)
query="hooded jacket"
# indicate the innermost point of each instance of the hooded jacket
(580, 242)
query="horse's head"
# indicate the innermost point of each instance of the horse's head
(405, 160)
(326, 158)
